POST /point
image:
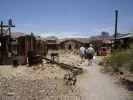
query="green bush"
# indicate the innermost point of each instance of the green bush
(121, 59)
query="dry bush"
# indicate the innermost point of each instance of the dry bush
(120, 59)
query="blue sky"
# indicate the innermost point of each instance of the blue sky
(67, 17)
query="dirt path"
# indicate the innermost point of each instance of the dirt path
(47, 81)
(95, 85)
(98, 86)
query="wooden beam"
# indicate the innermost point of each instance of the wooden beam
(73, 69)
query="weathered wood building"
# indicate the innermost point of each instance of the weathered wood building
(18, 47)
(5, 55)
(52, 43)
(70, 44)
(101, 41)
(30, 43)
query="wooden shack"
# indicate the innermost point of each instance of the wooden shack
(41, 46)
(8, 49)
(4, 50)
(70, 44)
(25, 44)
(31, 43)
(52, 43)
(101, 41)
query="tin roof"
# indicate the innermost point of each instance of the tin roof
(129, 35)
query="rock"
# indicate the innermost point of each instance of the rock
(10, 94)
(55, 77)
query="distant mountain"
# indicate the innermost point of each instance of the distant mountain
(83, 40)
(51, 38)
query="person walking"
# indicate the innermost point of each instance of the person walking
(90, 54)
(82, 53)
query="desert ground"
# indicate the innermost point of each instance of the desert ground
(46, 82)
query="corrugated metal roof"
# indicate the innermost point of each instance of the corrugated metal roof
(130, 35)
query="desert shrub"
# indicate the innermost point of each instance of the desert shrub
(130, 66)
(120, 59)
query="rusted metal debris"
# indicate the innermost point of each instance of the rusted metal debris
(70, 79)
(34, 59)
(73, 69)
(54, 55)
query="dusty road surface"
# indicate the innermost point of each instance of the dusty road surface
(41, 83)
(46, 82)
(95, 85)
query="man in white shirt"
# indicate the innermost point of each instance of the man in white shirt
(82, 52)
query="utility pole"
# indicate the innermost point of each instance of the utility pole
(116, 25)
(2, 26)
(5, 39)
(10, 24)
(31, 40)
